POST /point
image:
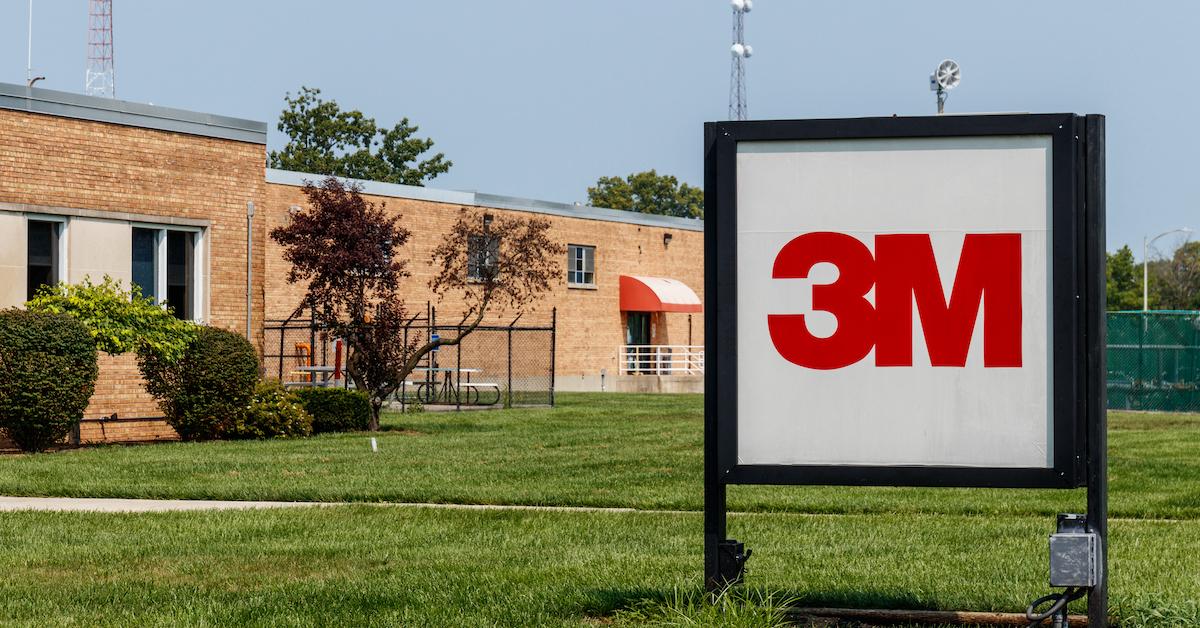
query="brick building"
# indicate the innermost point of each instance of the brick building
(160, 196)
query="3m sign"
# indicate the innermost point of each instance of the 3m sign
(904, 302)
(901, 271)
(899, 298)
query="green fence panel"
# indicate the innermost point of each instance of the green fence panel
(1154, 361)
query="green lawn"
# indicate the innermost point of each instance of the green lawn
(358, 565)
(361, 564)
(593, 450)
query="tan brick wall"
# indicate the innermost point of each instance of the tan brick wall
(590, 324)
(120, 390)
(63, 162)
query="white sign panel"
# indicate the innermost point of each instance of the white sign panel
(894, 302)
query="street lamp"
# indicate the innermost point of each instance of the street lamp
(1146, 264)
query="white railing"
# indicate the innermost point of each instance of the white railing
(661, 359)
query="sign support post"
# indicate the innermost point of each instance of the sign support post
(1097, 412)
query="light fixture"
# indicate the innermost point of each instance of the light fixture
(946, 77)
(667, 239)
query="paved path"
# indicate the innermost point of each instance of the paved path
(104, 504)
(96, 504)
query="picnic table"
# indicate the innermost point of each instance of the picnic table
(325, 373)
(449, 389)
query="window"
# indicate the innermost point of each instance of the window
(581, 265)
(44, 249)
(145, 260)
(180, 273)
(483, 251)
(165, 267)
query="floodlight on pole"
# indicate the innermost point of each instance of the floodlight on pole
(946, 77)
(1146, 263)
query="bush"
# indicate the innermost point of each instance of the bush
(119, 320)
(207, 390)
(47, 375)
(273, 411)
(335, 409)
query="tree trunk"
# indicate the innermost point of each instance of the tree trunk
(376, 407)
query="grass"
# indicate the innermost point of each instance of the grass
(380, 565)
(363, 564)
(594, 450)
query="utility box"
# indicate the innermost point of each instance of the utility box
(1074, 554)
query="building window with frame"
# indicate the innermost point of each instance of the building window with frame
(145, 260)
(483, 252)
(181, 274)
(44, 247)
(165, 267)
(581, 266)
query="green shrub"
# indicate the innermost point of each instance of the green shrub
(335, 409)
(207, 390)
(47, 375)
(119, 320)
(273, 411)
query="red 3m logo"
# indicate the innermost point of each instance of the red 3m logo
(903, 269)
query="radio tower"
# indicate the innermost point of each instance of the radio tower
(101, 78)
(741, 51)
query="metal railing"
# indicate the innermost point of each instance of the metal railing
(661, 359)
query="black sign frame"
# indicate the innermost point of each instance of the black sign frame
(1078, 398)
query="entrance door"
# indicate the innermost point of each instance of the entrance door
(637, 335)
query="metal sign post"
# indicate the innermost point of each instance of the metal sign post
(969, 298)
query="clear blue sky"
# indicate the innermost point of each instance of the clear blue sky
(538, 99)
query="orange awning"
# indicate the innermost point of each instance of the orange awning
(657, 294)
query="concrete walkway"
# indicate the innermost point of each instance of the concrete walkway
(96, 504)
(105, 504)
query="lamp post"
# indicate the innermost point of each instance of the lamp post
(1146, 264)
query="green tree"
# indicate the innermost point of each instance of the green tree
(649, 193)
(1176, 281)
(323, 139)
(1124, 281)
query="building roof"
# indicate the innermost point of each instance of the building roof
(480, 199)
(69, 105)
(96, 109)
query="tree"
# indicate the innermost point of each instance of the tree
(1124, 281)
(323, 139)
(491, 263)
(1176, 281)
(648, 193)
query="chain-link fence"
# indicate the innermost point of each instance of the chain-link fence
(495, 365)
(1154, 361)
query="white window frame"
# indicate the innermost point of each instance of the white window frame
(199, 257)
(64, 232)
(571, 265)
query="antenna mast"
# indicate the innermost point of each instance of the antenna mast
(101, 78)
(741, 51)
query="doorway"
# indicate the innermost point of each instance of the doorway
(637, 336)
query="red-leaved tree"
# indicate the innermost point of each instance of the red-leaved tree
(345, 247)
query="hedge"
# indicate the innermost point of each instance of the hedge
(336, 409)
(204, 393)
(47, 375)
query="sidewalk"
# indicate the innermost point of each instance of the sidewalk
(105, 504)
(95, 504)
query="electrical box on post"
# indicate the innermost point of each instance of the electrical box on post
(1074, 554)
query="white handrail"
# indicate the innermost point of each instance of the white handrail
(661, 359)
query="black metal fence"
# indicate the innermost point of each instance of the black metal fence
(509, 365)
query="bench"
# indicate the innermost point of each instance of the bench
(476, 387)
